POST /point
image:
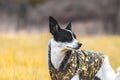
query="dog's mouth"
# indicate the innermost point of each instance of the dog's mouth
(71, 48)
(76, 47)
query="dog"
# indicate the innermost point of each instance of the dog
(68, 62)
(117, 76)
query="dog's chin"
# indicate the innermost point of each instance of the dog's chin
(71, 48)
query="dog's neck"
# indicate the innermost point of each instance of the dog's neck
(57, 55)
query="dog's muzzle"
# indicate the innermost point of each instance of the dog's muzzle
(78, 45)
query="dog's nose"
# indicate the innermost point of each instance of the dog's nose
(79, 45)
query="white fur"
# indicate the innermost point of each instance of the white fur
(106, 72)
(56, 55)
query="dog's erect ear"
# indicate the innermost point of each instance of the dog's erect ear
(69, 27)
(53, 24)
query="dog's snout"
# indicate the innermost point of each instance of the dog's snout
(79, 45)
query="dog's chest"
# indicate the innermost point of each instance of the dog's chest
(56, 58)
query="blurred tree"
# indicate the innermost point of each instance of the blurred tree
(118, 19)
(22, 14)
(35, 2)
(106, 13)
(22, 11)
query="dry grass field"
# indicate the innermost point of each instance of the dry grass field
(24, 57)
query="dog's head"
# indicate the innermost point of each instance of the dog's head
(63, 39)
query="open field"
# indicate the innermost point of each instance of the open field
(24, 57)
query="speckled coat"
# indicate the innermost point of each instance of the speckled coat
(83, 62)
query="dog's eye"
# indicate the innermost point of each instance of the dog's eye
(64, 39)
(68, 38)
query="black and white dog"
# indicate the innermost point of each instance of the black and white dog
(65, 39)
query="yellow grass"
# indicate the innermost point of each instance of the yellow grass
(24, 57)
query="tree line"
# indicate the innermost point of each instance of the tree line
(108, 11)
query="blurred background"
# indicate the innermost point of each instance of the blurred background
(24, 33)
(87, 16)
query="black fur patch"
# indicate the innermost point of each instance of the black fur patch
(65, 60)
(63, 36)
